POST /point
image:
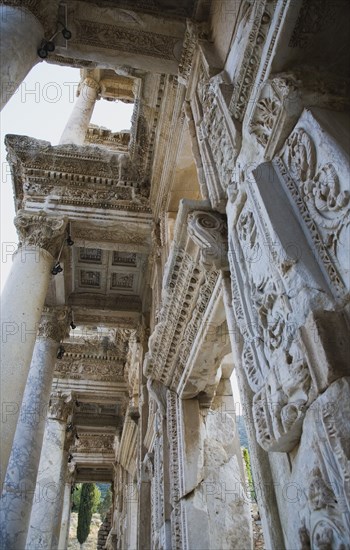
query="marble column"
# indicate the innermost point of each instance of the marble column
(77, 125)
(22, 302)
(20, 479)
(45, 519)
(21, 35)
(67, 506)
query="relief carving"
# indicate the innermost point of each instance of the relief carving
(137, 41)
(320, 197)
(248, 47)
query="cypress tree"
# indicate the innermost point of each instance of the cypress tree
(85, 511)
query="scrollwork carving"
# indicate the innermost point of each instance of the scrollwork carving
(209, 231)
(321, 199)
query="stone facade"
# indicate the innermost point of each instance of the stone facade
(211, 237)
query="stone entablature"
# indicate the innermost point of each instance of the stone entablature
(98, 135)
(191, 275)
(87, 176)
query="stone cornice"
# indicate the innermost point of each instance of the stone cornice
(78, 175)
(187, 289)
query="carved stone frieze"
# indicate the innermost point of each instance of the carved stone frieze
(324, 478)
(176, 466)
(137, 41)
(321, 198)
(94, 443)
(82, 175)
(282, 98)
(40, 230)
(277, 351)
(257, 18)
(218, 137)
(89, 369)
(194, 33)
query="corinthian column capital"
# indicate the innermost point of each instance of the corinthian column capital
(54, 323)
(60, 405)
(40, 230)
(91, 83)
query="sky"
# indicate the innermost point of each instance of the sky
(40, 108)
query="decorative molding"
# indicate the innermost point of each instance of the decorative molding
(40, 230)
(93, 443)
(194, 32)
(253, 29)
(316, 191)
(187, 289)
(282, 99)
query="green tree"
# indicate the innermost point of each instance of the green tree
(105, 504)
(97, 499)
(85, 511)
(76, 497)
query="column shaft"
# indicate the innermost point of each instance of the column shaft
(45, 519)
(77, 125)
(22, 302)
(21, 35)
(20, 479)
(67, 503)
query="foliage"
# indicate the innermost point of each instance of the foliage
(76, 497)
(104, 488)
(248, 470)
(97, 499)
(86, 505)
(105, 504)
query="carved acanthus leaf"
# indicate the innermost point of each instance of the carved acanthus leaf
(40, 230)
(60, 406)
(54, 323)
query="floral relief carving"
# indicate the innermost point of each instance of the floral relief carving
(319, 196)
